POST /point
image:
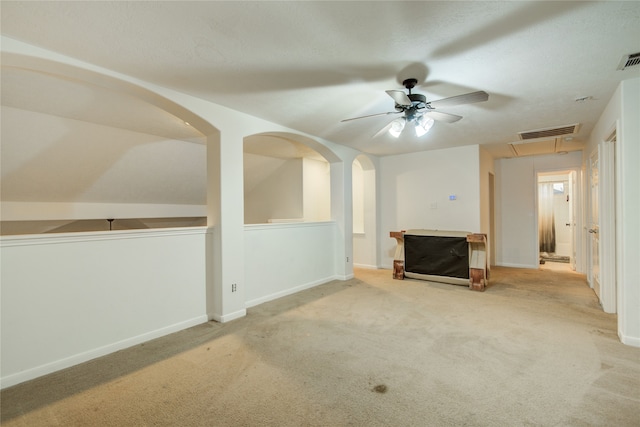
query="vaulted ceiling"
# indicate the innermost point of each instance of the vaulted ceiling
(309, 65)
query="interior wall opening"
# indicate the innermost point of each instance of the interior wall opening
(95, 166)
(285, 181)
(556, 220)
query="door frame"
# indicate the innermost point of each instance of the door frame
(576, 214)
(592, 226)
(607, 222)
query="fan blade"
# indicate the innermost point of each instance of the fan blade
(400, 97)
(443, 117)
(372, 115)
(388, 126)
(383, 130)
(468, 98)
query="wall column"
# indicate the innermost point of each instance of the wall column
(342, 213)
(225, 219)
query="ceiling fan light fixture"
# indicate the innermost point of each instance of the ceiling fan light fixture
(396, 127)
(420, 112)
(423, 125)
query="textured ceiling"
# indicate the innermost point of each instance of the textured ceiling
(308, 65)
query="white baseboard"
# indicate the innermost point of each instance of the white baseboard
(506, 264)
(627, 340)
(223, 318)
(367, 266)
(67, 362)
(295, 289)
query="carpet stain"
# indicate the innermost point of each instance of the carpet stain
(380, 388)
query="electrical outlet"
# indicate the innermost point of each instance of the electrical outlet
(233, 287)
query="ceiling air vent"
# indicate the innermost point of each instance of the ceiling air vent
(549, 132)
(629, 61)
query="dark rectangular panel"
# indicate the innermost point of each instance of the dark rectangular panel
(437, 255)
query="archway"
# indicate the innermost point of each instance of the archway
(285, 180)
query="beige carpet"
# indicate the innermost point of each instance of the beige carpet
(533, 350)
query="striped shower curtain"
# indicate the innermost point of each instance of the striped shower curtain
(546, 222)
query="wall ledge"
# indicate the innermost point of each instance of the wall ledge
(58, 238)
(273, 226)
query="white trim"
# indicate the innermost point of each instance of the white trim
(607, 226)
(228, 317)
(275, 225)
(57, 238)
(48, 368)
(367, 266)
(509, 265)
(290, 291)
(69, 211)
(631, 341)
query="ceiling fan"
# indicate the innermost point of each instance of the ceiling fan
(417, 110)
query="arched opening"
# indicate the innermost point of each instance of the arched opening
(80, 147)
(285, 180)
(141, 284)
(364, 212)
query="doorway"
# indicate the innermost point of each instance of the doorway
(556, 224)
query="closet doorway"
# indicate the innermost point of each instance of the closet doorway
(556, 220)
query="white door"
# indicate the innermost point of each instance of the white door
(594, 228)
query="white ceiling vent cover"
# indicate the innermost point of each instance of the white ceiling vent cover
(629, 61)
(549, 132)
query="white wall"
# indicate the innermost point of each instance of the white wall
(51, 170)
(621, 114)
(486, 168)
(415, 190)
(316, 190)
(516, 210)
(629, 197)
(358, 197)
(364, 213)
(286, 189)
(55, 211)
(47, 158)
(277, 194)
(287, 258)
(69, 298)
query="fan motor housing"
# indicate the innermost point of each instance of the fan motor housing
(417, 98)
